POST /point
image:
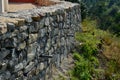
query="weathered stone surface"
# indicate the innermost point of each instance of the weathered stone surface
(42, 32)
(47, 22)
(7, 75)
(23, 28)
(32, 50)
(9, 43)
(3, 53)
(36, 17)
(3, 28)
(42, 23)
(29, 67)
(21, 22)
(4, 66)
(21, 45)
(32, 40)
(18, 67)
(33, 28)
(42, 66)
(22, 36)
(10, 27)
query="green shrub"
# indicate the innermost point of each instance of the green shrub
(91, 65)
(84, 67)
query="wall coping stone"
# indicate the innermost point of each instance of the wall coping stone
(20, 17)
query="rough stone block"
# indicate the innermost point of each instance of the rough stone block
(29, 67)
(10, 27)
(3, 53)
(23, 28)
(22, 37)
(32, 38)
(21, 46)
(18, 67)
(9, 43)
(32, 51)
(36, 17)
(3, 28)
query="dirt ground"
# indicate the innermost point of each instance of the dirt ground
(13, 7)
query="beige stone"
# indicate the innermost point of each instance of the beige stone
(3, 28)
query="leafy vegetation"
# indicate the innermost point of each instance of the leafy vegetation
(94, 59)
(105, 12)
(97, 53)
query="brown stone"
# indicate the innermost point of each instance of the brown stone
(36, 18)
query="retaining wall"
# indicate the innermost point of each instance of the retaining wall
(32, 40)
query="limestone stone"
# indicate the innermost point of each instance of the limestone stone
(33, 38)
(21, 45)
(42, 66)
(18, 67)
(32, 50)
(20, 73)
(3, 28)
(47, 22)
(29, 67)
(4, 66)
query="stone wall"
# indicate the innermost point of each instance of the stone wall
(32, 40)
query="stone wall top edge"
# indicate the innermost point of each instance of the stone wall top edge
(20, 17)
(42, 11)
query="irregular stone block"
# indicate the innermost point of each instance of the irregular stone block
(4, 53)
(21, 21)
(10, 27)
(2, 77)
(23, 28)
(42, 23)
(29, 67)
(7, 75)
(42, 32)
(28, 19)
(3, 28)
(33, 28)
(22, 37)
(20, 74)
(21, 46)
(32, 38)
(47, 21)
(4, 66)
(48, 45)
(18, 67)
(32, 51)
(36, 17)
(9, 43)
